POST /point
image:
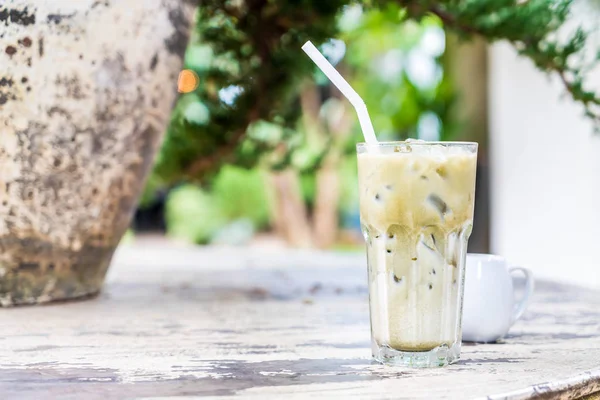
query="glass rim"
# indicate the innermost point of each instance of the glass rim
(427, 143)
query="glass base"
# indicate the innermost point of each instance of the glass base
(437, 357)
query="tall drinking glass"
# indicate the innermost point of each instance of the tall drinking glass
(416, 211)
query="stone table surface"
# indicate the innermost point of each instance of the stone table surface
(223, 323)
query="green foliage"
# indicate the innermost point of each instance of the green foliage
(196, 215)
(248, 63)
(241, 193)
(246, 109)
(534, 27)
(247, 55)
(192, 214)
(308, 188)
(398, 75)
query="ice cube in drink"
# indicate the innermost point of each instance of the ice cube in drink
(416, 210)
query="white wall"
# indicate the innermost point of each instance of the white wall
(545, 174)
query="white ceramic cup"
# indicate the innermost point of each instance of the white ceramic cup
(489, 307)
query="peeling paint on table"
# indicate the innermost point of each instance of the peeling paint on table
(232, 323)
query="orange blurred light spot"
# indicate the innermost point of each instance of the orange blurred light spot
(188, 81)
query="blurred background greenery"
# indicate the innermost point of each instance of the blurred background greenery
(261, 152)
(294, 178)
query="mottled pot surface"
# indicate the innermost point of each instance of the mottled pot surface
(86, 88)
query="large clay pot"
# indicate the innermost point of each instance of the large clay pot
(86, 88)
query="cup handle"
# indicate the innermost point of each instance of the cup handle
(521, 306)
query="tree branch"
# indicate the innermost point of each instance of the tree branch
(544, 59)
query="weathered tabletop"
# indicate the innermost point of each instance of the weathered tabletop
(231, 323)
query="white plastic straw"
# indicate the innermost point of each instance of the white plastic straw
(345, 88)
